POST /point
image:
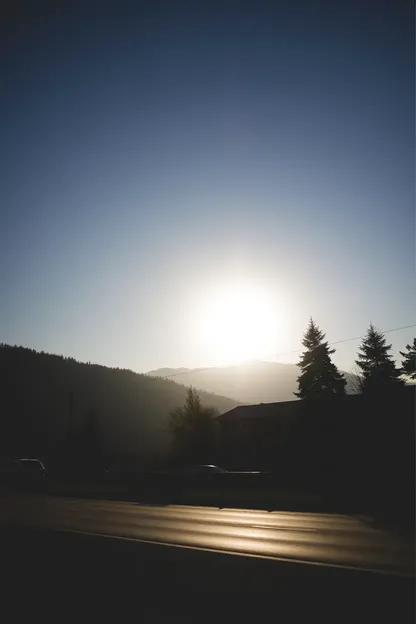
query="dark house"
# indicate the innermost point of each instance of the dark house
(353, 435)
(252, 435)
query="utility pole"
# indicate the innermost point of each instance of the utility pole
(71, 410)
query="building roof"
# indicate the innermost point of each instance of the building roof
(290, 408)
(262, 410)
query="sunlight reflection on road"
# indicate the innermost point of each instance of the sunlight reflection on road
(322, 538)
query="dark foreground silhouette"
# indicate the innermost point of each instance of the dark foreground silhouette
(60, 576)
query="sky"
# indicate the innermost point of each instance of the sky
(155, 154)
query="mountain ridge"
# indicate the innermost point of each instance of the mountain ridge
(251, 382)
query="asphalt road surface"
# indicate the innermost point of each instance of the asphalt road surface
(331, 540)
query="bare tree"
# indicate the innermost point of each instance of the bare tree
(193, 428)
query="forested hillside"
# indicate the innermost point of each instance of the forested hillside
(48, 399)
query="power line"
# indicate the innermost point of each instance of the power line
(335, 342)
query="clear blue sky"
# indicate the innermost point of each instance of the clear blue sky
(153, 149)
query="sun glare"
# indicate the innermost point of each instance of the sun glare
(240, 324)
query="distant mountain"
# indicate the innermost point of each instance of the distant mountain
(252, 382)
(166, 372)
(43, 397)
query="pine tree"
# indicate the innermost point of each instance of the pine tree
(409, 360)
(320, 377)
(379, 372)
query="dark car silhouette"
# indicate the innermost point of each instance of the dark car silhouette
(22, 472)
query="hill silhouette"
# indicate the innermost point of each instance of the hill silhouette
(251, 382)
(45, 398)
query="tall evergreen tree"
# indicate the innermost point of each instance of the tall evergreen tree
(378, 369)
(409, 360)
(320, 377)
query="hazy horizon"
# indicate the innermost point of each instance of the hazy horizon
(158, 158)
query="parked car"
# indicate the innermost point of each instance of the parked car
(22, 472)
(186, 483)
(199, 470)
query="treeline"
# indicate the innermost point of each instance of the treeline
(377, 370)
(354, 451)
(357, 451)
(64, 411)
(194, 430)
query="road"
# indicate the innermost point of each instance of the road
(332, 540)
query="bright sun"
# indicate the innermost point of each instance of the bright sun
(240, 324)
